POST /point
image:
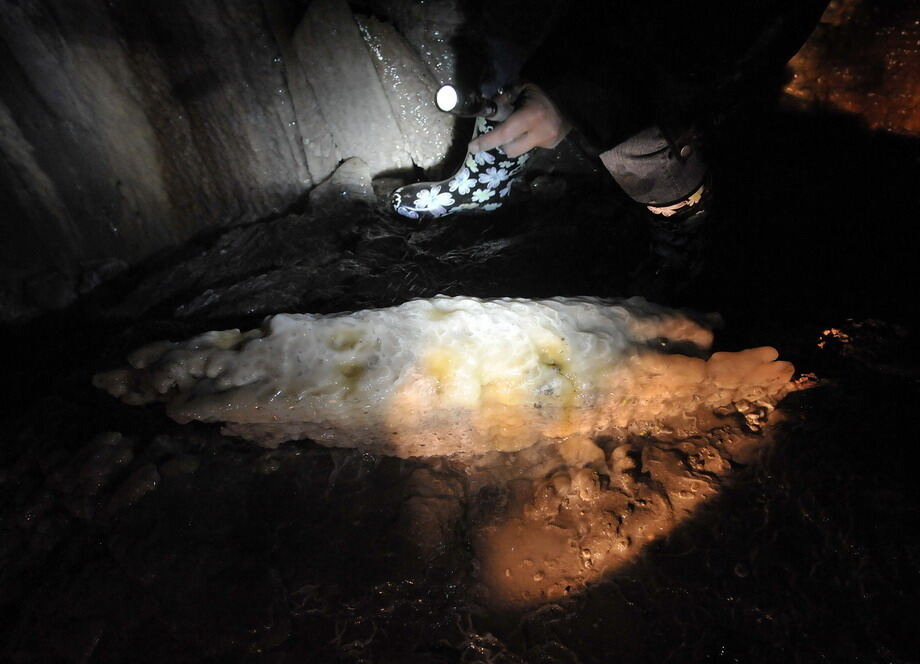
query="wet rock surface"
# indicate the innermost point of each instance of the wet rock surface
(410, 88)
(432, 29)
(864, 59)
(127, 129)
(367, 129)
(350, 184)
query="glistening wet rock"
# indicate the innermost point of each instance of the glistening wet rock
(432, 29)
(411, 89)
(349, 185)
(339, 68)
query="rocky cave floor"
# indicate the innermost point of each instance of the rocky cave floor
(171, 543)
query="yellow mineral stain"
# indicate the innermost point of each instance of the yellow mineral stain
(352, 372)
(342, 340)
(439, 363)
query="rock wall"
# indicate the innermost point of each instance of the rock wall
(863, 59)
(128, 127)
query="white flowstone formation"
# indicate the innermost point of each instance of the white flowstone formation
(454, 375)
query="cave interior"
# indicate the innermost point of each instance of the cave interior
(171, 169)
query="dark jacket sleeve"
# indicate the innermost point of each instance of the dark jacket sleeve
(618, 67)
(591, 66)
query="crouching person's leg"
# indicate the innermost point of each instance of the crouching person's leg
(671, 180)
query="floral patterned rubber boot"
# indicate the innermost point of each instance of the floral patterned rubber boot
(481, 183)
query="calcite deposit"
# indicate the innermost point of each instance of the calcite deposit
(456, 376)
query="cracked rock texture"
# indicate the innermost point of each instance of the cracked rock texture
(347, 86)
(127, 129)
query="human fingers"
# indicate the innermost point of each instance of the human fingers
(521, 144)
(540, 134)
(547, 121)
(516, 125)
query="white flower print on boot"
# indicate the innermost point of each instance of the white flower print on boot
(433, 201)
(462, 182)
(469, 189)
(493, 177)
(482, 195)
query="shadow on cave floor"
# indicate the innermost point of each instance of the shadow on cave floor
(240, 554)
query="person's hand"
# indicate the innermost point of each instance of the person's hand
(536, 124)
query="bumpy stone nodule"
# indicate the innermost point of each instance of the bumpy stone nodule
(481, 184)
